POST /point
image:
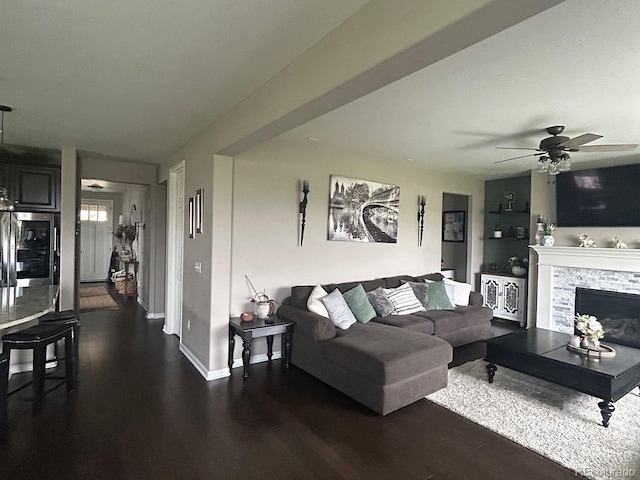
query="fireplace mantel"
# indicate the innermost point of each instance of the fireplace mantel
(616, 259)
(552, 258)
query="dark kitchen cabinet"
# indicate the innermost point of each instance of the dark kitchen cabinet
(35, 187)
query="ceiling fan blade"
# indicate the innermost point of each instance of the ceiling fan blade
(522, 156)
(620, 147)
(580, 140)
(519, 148)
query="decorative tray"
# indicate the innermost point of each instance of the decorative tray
(605, 351)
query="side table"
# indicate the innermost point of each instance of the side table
(260, 328)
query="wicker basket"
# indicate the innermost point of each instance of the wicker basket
(130, 286)
(121, 285)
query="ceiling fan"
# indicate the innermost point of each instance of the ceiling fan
(553, 151)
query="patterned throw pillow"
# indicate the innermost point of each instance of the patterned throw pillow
(339, 312)
(380, 302)
(404, 300)
(420, 290)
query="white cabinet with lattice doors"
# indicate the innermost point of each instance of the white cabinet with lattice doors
(505, 295)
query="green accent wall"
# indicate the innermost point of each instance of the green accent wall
(498, 251)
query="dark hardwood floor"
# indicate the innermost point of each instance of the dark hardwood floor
(142, 411)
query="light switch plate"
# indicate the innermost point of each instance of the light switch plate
(199, 267)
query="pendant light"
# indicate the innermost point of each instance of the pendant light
(3, 108)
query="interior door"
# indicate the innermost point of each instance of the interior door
(96, 238)
(175, 247)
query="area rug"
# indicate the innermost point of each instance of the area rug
(96, 298)
(554, 421)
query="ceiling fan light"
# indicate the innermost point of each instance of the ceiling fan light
(543, 164)
(565, 163)
(554, 167)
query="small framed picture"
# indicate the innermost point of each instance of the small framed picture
(453, 226)
(192, 218)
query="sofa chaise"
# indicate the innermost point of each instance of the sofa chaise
(390, 361)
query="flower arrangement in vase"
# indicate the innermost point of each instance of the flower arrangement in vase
(548, 233)
(591, 330)
(126, 234)
(518, 266)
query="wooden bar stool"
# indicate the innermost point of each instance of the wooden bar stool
(4, 392)
(37, 338)
(68, 317)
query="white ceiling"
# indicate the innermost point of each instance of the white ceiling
(138, 79)
(576, 64)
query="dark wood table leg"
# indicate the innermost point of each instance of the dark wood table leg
(232, 345)
(606, 409)
(288, 346)
(38, 377)
(491, 371)
(269, 346)
(246, 355)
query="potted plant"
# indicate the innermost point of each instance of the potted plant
(264, 306)
(518, 265)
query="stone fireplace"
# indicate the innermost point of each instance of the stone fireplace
(561, 270)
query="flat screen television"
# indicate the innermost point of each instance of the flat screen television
(603, 197)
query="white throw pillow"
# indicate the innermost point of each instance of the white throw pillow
(461, 292)
(314, 304)
(339, 312)
(404, 300)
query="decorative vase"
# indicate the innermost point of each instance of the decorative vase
(575, 341)
(539, 234)
(549, 240)
(584, 342)
(264, 309)
(518, 271)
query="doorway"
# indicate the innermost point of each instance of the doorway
(175, 248)
(455, 249)
(96, 233)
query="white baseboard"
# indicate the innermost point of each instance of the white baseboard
(152, 316)
(223, 372)
(146, 307)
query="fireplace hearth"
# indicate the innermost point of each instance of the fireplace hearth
(619, 314)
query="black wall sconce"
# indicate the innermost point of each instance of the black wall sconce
(421, 202)
(303, 209)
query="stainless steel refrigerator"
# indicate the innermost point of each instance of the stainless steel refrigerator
(8, 230)
(29, 242)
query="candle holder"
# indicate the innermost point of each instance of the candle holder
(303, 209)
(421, 202)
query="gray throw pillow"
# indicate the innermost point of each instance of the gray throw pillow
(359, 304)
(380, 302)
(420, 290)
(339, 311)
(438, 298)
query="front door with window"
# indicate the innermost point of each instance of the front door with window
(96, 239)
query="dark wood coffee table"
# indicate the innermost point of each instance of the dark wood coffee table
(543, 354)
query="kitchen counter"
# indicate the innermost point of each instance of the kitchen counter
(23, 304)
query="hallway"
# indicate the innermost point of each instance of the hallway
(142, 411)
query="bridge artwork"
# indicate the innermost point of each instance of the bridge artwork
(363, 211)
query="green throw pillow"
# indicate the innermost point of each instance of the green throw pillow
(359, 304)
(438, 298)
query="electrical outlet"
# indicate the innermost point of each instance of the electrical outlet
(198, 267)
(188, 324)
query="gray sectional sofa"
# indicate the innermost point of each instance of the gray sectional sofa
(388, 362)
